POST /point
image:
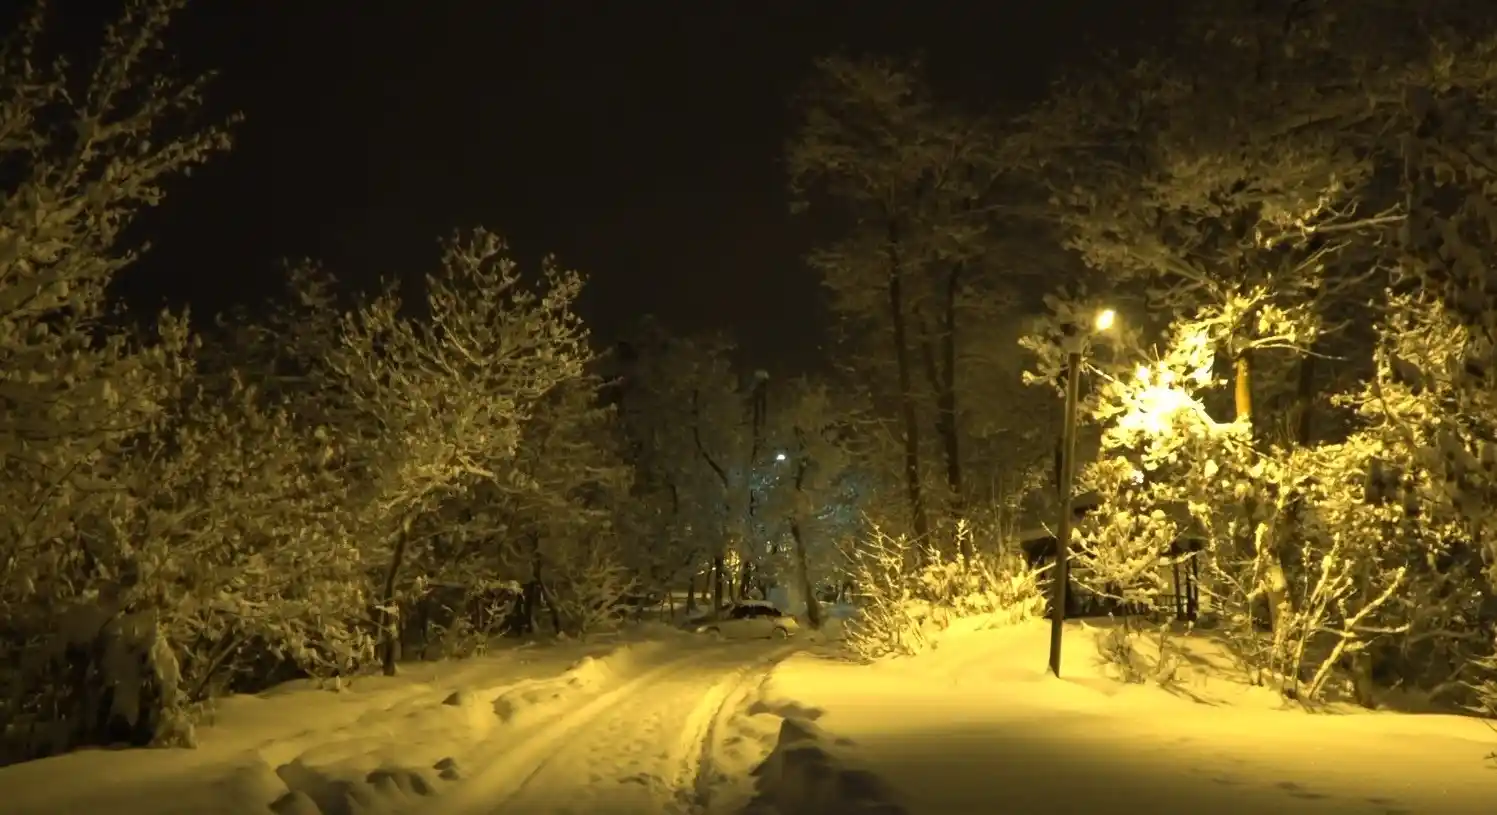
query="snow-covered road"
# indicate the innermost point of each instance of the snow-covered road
(647, 744)
(646, 724)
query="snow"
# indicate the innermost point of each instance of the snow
(977, 725)
(376, 745)
(658, 721)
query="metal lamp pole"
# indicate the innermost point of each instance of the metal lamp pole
(1061, 576)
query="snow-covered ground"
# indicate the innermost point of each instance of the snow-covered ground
(637, 724)
(659, 721)
(977, 726)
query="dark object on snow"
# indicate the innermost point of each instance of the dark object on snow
(1039, 549)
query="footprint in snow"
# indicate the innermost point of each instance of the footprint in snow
(1299, 791)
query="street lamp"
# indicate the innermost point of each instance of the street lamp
(1075, 345)
(1105, 318)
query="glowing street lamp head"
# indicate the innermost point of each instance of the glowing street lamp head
(1105, 318)
(779, 456)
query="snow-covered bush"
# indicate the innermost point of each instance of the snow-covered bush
(83, 152)
(457, 619)
(1484, 685)
(1428, 482)
(889, 621)
(429, 410)
(221, 549)
(588, 579)
(1313, 558)
(910, 593)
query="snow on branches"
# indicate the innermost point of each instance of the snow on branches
(435, 403)
(903, 608)
(81, 152)
(1341, 549)
(80, 160)
(441, 399)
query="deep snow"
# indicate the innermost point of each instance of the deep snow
(978, 726)
(660, 721)
(613, 725)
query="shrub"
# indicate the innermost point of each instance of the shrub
(911, 592)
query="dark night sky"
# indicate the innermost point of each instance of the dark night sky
(640, 141)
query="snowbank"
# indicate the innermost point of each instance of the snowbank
(376, 746)
(805, 774)
(978, 725)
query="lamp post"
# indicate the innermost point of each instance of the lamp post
(1061, 576)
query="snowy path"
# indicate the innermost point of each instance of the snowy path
(632, 725)
(645, 745)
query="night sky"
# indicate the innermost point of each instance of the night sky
(640, 141)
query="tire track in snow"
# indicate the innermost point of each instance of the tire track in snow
(644, 746)
(524, 771)
(696, 748)
(513, 765)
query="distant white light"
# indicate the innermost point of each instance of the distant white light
(779, 456)
(1105, 319)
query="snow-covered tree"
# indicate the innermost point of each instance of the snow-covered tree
(689, 420)
(1433, 391)
(83, 152)
(1252, 205)
(804, 479)
(873, 145)
(559, 506)
(429, 405)
(1356, 547)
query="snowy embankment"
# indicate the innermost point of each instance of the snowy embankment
(378, 745)
(977, 725)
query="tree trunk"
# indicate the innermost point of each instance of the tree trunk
(1275, 583)
(390, 652)
(717, 583)
(531, 593)
(803, 576)
(691, 593)
(946, 417)
(802, 569)
(749, 546)
(1304, 401)
(906, 390)
(1243, 390)
(745, 575)
(545, 596)
(718, 566)
(938, 372)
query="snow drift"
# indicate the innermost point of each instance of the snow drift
(805, 774)
(380, 746)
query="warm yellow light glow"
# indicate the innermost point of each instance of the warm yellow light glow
(1154, 410)
(1202, 375)
(1142, 373)
(1105, 318)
